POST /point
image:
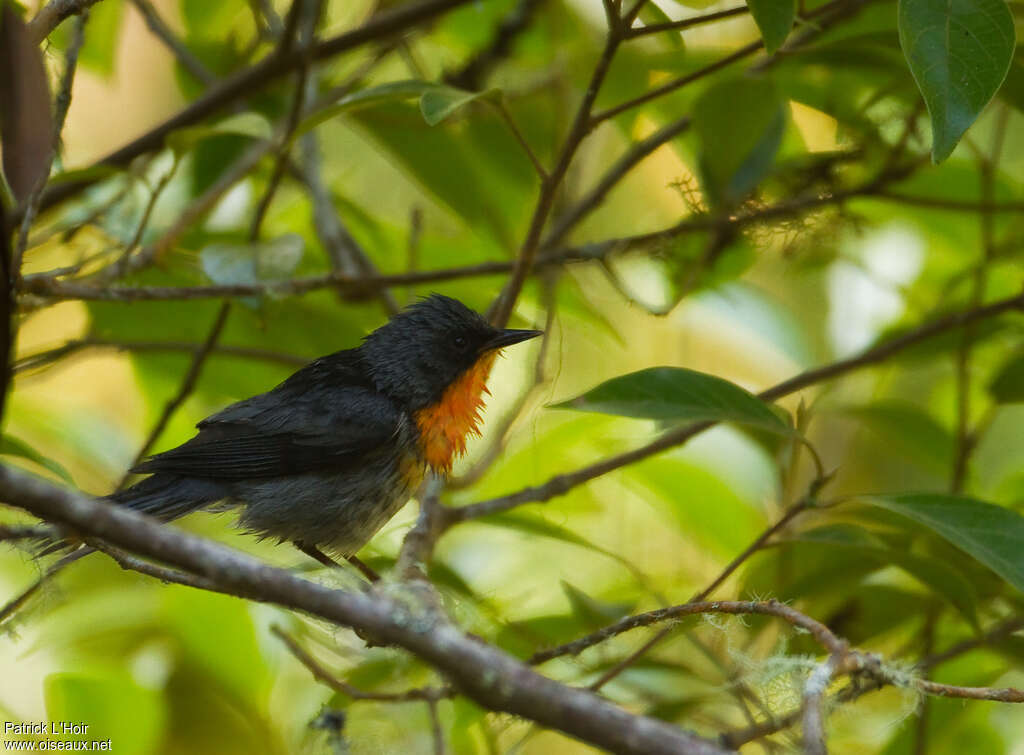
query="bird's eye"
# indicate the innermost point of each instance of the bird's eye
(460, 342)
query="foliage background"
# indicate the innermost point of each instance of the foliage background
(168, 669)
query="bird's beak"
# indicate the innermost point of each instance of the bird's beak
(508, 337)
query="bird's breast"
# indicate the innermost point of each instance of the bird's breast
(445, 426)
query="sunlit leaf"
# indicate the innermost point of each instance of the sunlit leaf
(959, 52)
(677, 394)
(991, 534)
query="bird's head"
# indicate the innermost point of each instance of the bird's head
(425, 349)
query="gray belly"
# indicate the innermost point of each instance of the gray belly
(338, 511)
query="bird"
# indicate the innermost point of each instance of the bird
(328, 456)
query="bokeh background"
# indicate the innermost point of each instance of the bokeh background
(166, 669)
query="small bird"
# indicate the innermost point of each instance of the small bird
(327, 457)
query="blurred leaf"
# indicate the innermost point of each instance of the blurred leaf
(739, 123)
(249, 123)
(775, 19)
(941, 578)
(991, 534)
(593, 612)
(392, 91)
(26, 125)
(439, 102)
(703, 506)
(11, 446)
(1012, 90)
(677, 394)
(115, 708)
(909, 432)
(1007, 387)
(959, 52)
(652, 15)
(101, 38)
(237, 666)
(474, 166)
(256, 262)
(209, 18)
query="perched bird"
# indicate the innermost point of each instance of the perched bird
(327, 457)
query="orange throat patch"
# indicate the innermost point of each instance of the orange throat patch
(445, 426)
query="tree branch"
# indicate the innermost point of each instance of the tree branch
(52, 14)
(483, 673)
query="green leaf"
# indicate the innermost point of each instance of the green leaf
(591, 611)
(101, 38)
(651, 15)
(1007, 387)
(775, 19)
(941, 578)
(261, 261)
(677, 394)
(13, 447)
(249, 123)
(908, 432)
(739, 123)
(959, 52)
(991, 534)
(439, 102)
(115, 708)
(392, 91)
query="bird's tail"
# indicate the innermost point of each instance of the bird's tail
(163, 496)
(168, 497)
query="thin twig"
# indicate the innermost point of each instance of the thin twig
(437, 734)
(518, 135)
(301, 21)
(129, 562)
(965, 439)
(323, 675)
(822, 634)
(550, 183)
(52, 14)
(43, 358)
(686, 23)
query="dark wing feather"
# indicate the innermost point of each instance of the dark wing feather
(323, 417)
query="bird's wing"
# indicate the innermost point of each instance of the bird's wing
(303, 425)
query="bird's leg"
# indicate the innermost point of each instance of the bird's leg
(318, 555)
(369, 573)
